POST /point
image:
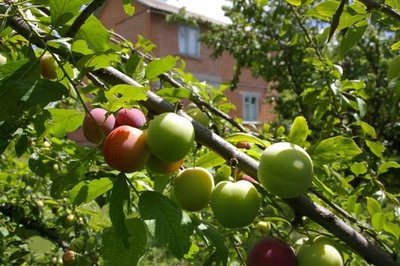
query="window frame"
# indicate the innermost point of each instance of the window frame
(250, 95)
(185, 51)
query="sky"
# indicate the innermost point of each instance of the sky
(209, 8)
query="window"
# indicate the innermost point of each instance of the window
(250, 106)
(189, 41)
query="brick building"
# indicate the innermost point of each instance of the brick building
(182, 40)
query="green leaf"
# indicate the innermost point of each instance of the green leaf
(124, 96)
(321, 185)
(217, 240)
(116, 253)
(80, 46)
(238, 137)
(95, 35)
(21, 145)
(366, 128)
(39, 245)
(95, 62)
(18, 68)
(327, 8)
(351, 15)
(173, 227)
(359, 168)
(333, 149)
(159, 66)
(392, 228)
(174, 93)
(64, 121)
(373, 206)
(119, 203)
(20, 95)
(393, 3)
(351, 38)
(76, 172)
(128, 8)
(395, 46)
(63, 10)
(294, 2)
(210, 159)
(383, 168)
(87, 191)
(378, 221)
(135, 68)
(351, 202)
(375, 147)
(299, 131)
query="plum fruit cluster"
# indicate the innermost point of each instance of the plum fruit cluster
(127, 148)
(271, 251)
(161, 148)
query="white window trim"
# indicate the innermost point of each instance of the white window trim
(187, 54)
(251, 94)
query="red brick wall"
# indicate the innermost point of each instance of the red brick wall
(152, 26)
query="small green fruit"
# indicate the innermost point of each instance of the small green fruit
(199, 116)
(48, 66)
(170, 137)
(263, 227)
(320, 252)
(193, 188)
(285, 170)
(235, 204)
(3, 60)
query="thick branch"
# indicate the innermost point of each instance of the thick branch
(81, 19)
(370, 4)
(31, 224)
(303, 205)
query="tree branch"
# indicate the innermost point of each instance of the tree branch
(370, 4)
(81, 19)
(303, 204)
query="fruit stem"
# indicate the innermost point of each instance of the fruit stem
(178, 106)
(233, 163)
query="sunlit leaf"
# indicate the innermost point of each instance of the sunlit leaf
(299, 131)
(87, 191)
(333, 149)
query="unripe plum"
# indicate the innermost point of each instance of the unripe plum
(199, 116)
(235, 204)
(193, 188)
(321, 252)
(157, 166)
(170, 137)
(131, 117)
(271, 251)
(99, 128)
(48, 66)
(3, 60)
(125, 149)
(285, 170)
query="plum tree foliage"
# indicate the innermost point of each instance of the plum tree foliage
(122, 201)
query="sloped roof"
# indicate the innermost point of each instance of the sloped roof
(205, 10)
